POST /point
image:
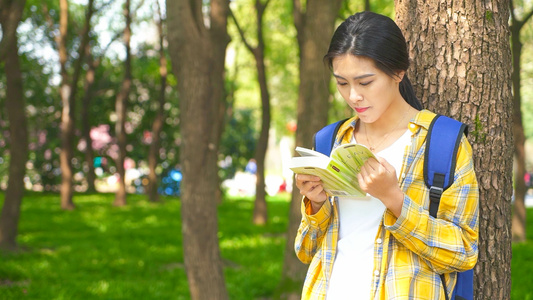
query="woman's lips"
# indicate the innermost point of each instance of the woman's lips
(361, 109)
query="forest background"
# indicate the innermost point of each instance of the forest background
(101, 103)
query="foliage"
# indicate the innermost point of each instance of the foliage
(40, 67)
(281, 59)
(100, 251)
(238, 143)
(527, 79)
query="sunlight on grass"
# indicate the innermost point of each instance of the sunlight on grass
(103, 252)
(246, 243)
(100, 288)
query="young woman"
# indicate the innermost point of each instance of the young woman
(388, 247)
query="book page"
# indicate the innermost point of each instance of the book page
(352, 156)
(338, 173)
(308, 152)
(334, 184)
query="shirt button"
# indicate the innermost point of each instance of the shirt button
(376, 272)
(378, 241)
(412, 125)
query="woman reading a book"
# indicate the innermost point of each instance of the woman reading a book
(388, 247)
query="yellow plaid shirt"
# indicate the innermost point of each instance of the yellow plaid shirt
(410, 251)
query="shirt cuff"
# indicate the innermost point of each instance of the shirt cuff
(406, 223)
(320, 218)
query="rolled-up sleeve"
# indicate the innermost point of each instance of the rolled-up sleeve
(449, 242)
(312, 229)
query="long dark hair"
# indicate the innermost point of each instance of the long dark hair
(379, 38)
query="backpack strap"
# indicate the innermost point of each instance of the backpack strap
(442, 144)
(325, 138)
(444, 137)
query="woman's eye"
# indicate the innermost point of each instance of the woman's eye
(341, 83)
(366, 83)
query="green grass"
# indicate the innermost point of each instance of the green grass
(522, 265)
(103, 252)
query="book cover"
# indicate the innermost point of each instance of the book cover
(338, 171)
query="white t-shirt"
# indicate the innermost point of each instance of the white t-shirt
(351, 277)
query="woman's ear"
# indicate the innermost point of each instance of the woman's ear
(399, 76)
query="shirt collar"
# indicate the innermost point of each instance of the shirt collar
(421, 120)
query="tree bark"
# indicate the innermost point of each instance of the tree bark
(86, 121)
(519, 206)
(197, 54)
(11, 14)
(15, 107)
(121, 103)
(260, 206)
(157, 126)
(68, 91)
(67, 113)
(314, 28)
(454, 46)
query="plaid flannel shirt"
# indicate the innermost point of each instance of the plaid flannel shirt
(409, 251)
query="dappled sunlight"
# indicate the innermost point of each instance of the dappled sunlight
(252, 243)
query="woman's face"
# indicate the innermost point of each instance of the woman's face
(370, 92)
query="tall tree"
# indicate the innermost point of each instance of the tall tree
(121, 103)
(260, 206)
(88, 93)
(85, 119)
(314, 24)
(10, 16)
(519, 207)
(454, 51)
(198, 47)
(68, 92)
(157, 125)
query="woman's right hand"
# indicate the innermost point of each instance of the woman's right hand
(311, 187)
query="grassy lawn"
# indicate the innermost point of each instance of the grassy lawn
(103, 252)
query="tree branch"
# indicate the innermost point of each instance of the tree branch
(297, 14)
(528, 16)
(241, 32)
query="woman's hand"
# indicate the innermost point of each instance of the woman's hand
(378, 178)
(311, 187)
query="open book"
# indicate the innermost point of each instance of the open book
(338, 172)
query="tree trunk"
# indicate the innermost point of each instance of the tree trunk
(18, 150)
(67, 122)
(197, 54)
(10, 14)
(157, 126)
(454, 51)
(367, 5)
(120, 107)
(68, 90)
(314, 30)
(260, 206)
(86, 122)
(519, 207)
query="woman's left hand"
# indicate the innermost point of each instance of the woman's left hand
(378, 178)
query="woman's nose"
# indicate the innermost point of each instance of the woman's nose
(355, 96)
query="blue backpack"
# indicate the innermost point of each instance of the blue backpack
(443, 139)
